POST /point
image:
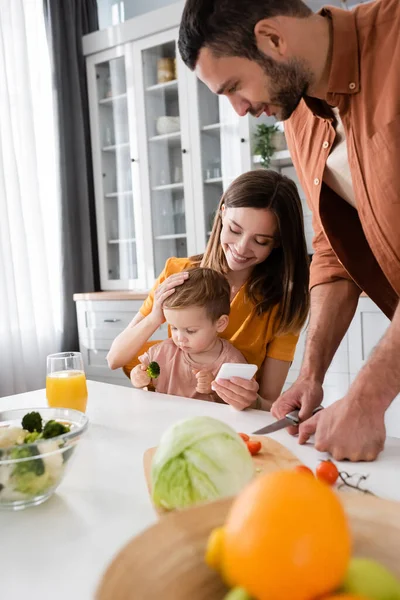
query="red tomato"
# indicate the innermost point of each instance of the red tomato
(327, 471)
(244, 437)
(304, 469)
(254, 447)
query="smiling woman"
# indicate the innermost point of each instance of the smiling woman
(257, 242)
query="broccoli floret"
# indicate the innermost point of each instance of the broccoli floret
(32, 437)
(34, 466)
(32, 422)
(54, 428)
(153, 370)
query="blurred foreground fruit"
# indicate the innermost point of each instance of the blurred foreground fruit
(286, 537)
(370, 579)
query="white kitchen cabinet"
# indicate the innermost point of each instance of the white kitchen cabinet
(99, 322)
(164, 149)
(367, 328)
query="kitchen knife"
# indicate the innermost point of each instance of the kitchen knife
(291, 418)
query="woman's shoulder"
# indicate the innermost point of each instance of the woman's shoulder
(177, 265)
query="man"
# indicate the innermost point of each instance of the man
(334, 77)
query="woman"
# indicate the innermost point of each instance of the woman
(258, 242)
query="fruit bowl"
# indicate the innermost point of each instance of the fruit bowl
(167, 560)
(30, 473)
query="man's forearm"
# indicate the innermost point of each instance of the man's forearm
(378, 382)
(332, 309)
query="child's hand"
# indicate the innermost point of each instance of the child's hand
(139, 377)
(204, 379)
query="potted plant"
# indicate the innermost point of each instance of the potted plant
(268, 139)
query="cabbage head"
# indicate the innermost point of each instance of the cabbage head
(199, 460)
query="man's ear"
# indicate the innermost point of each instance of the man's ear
(222, 323)
(269, 38)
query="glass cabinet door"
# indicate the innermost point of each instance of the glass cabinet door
(219, 147)
(115, 184)
(166, 171)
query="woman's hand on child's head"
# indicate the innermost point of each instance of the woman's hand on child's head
(204, 380)
(239, 393)
(163, 292)
(139, 377)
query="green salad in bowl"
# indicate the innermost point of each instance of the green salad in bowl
(35, 450)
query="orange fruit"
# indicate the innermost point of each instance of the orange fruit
(344, 597)
(286, 536)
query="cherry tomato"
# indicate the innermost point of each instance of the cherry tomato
(327, 471)
(254, 447)
(304, 469)
(244, 437)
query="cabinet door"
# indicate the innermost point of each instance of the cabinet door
(215, 153)
(163, 128)
(366, 329)
(116, 174)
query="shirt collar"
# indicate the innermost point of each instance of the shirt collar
(344, 75)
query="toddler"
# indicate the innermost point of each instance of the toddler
(197, 312)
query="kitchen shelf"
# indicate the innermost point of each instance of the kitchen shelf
(168, 186)
(168, 86)
(213, 127)
(176, 135)
(117, 194)
(122, 241)
(213, 180)
(112, 99)
(172, 236)
(116, 147)
(278, 158)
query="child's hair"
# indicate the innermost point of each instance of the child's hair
(282, 279)
(204, 288)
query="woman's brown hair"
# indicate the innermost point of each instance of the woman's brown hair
(282, 279)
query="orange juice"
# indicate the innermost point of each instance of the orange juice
(67, 389)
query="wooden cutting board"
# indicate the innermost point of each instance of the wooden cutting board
(167, 560)
(272, 457)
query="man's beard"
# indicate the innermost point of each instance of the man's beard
(288, 83)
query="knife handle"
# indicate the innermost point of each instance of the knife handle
(294, 415)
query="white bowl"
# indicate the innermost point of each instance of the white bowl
(166, 125)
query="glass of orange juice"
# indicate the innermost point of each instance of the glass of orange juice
(66, 381)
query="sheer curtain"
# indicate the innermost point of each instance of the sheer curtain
(30, 232)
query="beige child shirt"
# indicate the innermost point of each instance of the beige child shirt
(176, 368)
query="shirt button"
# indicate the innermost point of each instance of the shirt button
(352, 85)
(316, 181)
(325, 144)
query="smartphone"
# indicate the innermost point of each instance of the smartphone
(242, 370)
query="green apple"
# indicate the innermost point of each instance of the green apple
(370, 579)
(237, 594)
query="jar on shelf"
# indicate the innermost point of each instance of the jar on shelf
(165, 70)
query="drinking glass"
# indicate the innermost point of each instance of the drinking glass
(66, 381)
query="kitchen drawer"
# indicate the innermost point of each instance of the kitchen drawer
(104, 320)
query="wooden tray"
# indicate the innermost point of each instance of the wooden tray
(272, 457)
(166, 562)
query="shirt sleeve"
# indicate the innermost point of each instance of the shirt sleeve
(234, 356)
(283, 347)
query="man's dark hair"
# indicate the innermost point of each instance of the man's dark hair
(227, 26)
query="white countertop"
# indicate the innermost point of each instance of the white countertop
(61, 548)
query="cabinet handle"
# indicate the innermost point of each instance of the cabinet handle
(111, 320)
(184, 151)
(242, 140)
(133, 159)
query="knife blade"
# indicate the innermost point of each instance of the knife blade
(291, 418)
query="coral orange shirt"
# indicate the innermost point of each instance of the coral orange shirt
(250, 333)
